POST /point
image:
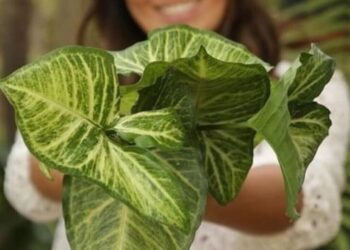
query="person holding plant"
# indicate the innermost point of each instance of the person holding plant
(256, 218)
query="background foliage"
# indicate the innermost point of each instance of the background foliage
(30, 28)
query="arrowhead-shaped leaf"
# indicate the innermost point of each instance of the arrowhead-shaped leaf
(95, 221)
(292, 123)
(225, 96)
(64, 105)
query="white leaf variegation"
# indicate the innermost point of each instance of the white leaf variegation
(309, 126)
(308, 76)
(94, 220)
(179, 41)
(158, 128)
(64, 105)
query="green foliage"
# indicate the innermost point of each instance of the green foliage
(141, 129)
(292, 123)
(140, 159)
(73, 119)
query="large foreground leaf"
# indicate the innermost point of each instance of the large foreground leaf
(96, 221)
(64, 105)
(292, 123)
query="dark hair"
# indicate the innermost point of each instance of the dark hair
(246, 22)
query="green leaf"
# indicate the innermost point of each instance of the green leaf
(219, 110)
(156, 91)
(225, 96)
(180, 41)
(65, 103)
(159, 128)
(310, 79)
(127, 101)
(94, 220)
(292, 123)
(309, 126)
(111, 225)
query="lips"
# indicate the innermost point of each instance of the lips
(178, 12)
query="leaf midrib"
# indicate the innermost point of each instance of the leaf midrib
(167, 134)
(155, 183)
(123, 229)
(57, 104)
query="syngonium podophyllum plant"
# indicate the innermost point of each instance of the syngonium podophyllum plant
(141, 159)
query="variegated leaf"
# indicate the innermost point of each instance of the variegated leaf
(308, 128)
(292, 124)
(94, 220)
(156, 92)
(64, 105)
(111, 225)
(310, 79)
(127, 101)
(180, 41)
(227, 159)
(159, 128)
(225, 96)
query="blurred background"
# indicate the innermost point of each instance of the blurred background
(30, 28)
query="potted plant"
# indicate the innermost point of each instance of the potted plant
(141, 159)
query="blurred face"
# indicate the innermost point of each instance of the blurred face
(151, 14)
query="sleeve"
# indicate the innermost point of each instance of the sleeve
(20, 191)
(60, 241)
(324, 181)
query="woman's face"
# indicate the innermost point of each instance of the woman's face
(151, 14)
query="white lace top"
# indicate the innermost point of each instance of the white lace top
(320, 217)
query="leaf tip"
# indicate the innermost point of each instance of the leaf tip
(46, 171)
(293, 214)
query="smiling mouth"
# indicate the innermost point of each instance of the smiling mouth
(178, 9)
